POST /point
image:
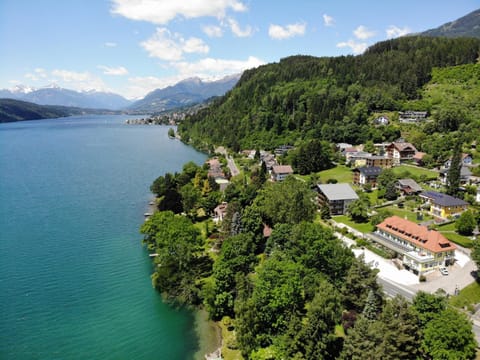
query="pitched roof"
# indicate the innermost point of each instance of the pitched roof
(282, 169)
(401, 146)
(464, 171)
(410, 183)
(370, 170)
(418, 235)
(342, 191)
(443, 199)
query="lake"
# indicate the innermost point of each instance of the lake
(74, 277)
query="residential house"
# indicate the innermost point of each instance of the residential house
(401, 151)
(443, 205)
(418, 158)
(280, 172)
(215, 168)
(408, 187)
(283, 149)
(358, 158)
(341, 147)
(366, 175)
(268, 159)
(467, 160)
(379, 161)
(465, 175)
(420, 249)
(336, 196)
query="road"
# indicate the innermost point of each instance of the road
(232, 166)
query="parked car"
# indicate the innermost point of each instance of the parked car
(444, 271)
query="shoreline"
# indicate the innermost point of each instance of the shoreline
(209, 336)
(208, 332)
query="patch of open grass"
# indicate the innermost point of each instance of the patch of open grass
(415, 172)
(341, 173)
(405, 213)
(469, 296)
(362, 227)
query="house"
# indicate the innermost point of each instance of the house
(467, 160)
(268, 159)
(420, 249)
(465, 175)
(215, 169)
(358, 158)
(336, 196)
(366, 175)
(443, 205)
(411, 116)
(220, 211)
(283, 149)
(408, 187)
(418, 158)
(401, 151)
(341, 147)
(280, 172)
(379, 161)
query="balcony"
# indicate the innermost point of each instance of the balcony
(390, 243)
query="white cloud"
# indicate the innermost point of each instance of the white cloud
(394, 31)
(110, 44)
(284, 32)
(163, 11)
(38, 74)
(167, 46)
(356, 47)
(237, 30)
(78, 80)
(213, 31)
(328, 20)
(363, 33)
(210, 67)
(115, 71)
(141, 85)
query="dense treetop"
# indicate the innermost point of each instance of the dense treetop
(328, 98)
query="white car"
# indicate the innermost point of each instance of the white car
(444, 271)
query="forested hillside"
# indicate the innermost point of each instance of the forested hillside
(329, 98)
(16, 110)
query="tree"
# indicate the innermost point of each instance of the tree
(290, 201)
(475, 254)
(427, 306)
(359, 281)
(449, 336)
(171, 133)
(190, 199)
(453, 174)
(466, 223)
(358, 210)
(179, 259)
(313, 156)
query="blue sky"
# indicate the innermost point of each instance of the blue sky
(134, 46)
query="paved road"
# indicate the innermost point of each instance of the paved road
(392, 289)
(232, 166)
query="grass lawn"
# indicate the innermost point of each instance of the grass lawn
(363, 227)
(468, 296)
(341, 173)
(415, 172)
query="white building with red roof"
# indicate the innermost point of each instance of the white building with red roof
(420, 249)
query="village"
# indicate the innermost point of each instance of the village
(410, 227)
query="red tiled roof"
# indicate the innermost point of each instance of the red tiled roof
(416, 234)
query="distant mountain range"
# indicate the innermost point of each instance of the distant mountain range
(54, 95)
(466, 26)
(187, 92)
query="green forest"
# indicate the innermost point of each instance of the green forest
(335, 98)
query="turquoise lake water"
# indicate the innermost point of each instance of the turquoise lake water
(74, 277)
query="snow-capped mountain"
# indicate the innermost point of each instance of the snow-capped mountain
(184, 93)
(54, 95)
